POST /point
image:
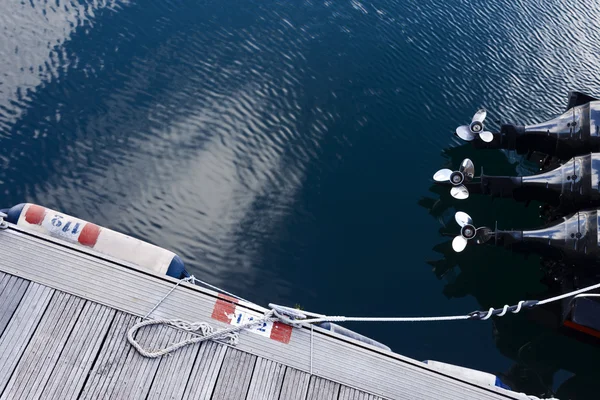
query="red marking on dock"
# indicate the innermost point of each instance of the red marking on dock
(281, 332)
(35, 214)
(228, 298)
(224, 308)
(89, 235)
(224, 311)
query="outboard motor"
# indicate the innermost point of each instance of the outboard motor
(573, 133)
(103, 240)
(574, 237)
(571, 186)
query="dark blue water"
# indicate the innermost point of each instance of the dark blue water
(285, 150)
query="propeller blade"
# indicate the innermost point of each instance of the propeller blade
(459, 243)
(459, 192)
(462, 219)
(480, 115)
(465, 133)
(483, 234)
(486, 136)
(467, 168)
(442, 175)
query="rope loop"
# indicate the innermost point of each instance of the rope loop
(203, 330)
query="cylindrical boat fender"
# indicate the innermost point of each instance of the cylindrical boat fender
(472, 375)
(102, 240)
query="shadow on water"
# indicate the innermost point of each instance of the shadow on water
(546, 361)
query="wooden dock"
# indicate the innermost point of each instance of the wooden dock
(65, 312)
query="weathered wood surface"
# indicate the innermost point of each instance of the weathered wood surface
(267, 380)
(64, 316)
(21, 327)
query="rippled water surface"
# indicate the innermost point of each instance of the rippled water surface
(285, 150)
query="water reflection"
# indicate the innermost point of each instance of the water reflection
(33, 46)
(206, 128)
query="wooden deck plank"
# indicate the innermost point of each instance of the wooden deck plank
(75, 362)
(174, 371)
(267, 380)
(322, 389)
(203, 377)
(123, 373)
(111, 358)
(144, 369)
(4, 278)
(234, 379)
(133, 368)
(21, 328)
(44, 349)
(295, 384)
(230, 364)
(12, 290)
(348, 393)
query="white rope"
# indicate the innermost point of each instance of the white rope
(587, 295)
(218, 289)
(298, 318)
(189, 278)
(311, 348)
(204, 330)
(379, 319)
(573, 293)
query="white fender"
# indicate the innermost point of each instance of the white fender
(468, 374)
(102, 240)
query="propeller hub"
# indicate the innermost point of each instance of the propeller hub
(468, 231)
(457, 178)
(476, 127)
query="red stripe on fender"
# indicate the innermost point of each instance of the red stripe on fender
(224, 309)
(281, 332)
(89, 235)
(35, 214)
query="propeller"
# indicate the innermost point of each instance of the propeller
(470, 132)
(465, 172)
(469, 232)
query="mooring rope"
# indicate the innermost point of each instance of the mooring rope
(299, 318)
(205, 331)
(195, 280)
(188, 279)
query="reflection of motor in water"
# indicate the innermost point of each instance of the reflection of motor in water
(568, 242)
